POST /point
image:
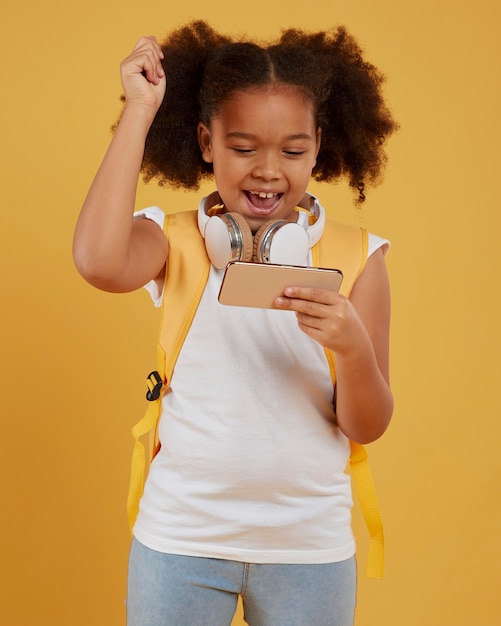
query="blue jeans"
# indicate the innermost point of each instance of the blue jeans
(172, 590)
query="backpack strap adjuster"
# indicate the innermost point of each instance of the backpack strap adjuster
(154, 384)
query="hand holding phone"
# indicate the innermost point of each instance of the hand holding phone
(258, 284)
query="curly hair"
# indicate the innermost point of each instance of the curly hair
(204, 69)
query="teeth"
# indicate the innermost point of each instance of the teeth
(263, 194)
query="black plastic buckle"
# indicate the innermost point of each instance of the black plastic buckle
(154, 383)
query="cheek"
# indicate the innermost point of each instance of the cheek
(229, 166)
(226, 174)
(303, 172)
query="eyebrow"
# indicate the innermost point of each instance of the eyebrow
(239, 135)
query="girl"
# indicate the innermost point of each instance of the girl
(248, 494)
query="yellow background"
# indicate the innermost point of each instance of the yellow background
(74, 359)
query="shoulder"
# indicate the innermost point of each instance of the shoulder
(153, 213)
(354, 235)
(185, 221)
(375, 242)
(350, 249)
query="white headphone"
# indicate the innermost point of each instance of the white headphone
(228, 237)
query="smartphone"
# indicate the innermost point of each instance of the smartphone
(258, 284)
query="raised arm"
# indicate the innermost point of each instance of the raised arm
(111, 250)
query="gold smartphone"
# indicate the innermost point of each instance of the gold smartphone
(258, 284)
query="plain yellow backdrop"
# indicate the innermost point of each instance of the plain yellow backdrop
(74, 359)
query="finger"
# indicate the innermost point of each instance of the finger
(308, 308)
(153, 70)
(309, 322)
(156, 45)
(151, 42)
(158, 55)
(147, 56)
(312, 294)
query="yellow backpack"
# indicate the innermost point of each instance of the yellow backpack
(342, 247)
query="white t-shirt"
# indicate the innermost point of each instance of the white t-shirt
(251, 466)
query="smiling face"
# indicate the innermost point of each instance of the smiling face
(263, 146)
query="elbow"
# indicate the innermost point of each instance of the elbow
(97, 273)
(369, 435)
(84, 263)
(372, 426)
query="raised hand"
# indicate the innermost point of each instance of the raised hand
(142, 74)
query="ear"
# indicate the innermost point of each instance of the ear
(204, 142)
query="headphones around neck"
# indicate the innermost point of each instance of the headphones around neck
(228, 236)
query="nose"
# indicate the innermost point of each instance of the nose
(267, 166)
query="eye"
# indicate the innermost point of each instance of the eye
(294, 153)
(242, 150)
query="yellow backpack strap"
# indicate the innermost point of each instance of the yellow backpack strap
(186, 276)
(362, 478)
(345, 247)
(138, 463)
(342, 247)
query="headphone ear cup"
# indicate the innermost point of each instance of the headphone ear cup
(228, 237)
(261, 238)
(281, 242)
(247, 241)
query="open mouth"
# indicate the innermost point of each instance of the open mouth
(263, 200)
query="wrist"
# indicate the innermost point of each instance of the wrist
(138, 115)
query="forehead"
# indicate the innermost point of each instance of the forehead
(282, 105)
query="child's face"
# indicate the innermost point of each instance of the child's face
(262, 143)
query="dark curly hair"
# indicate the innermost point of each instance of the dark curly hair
(204, 68)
